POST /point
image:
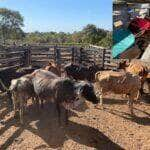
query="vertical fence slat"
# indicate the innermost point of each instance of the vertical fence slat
(83, 55)
(58, 56)
(73, 55)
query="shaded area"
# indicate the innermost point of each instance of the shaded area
(140, 120)
(114, 101)
(44, 126)
(48, 129)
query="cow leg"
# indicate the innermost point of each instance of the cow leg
(35, 100)
(138, 97)
(10, 101)
(14, 98)
(128, 98)
(42, 104)
(25, 106)
(37, 103)
(66, 116)
(130, 103)
(101, 100)
(21, 109)
(59, 113)
(15, 111)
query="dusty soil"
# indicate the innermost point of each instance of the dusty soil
(89, 128)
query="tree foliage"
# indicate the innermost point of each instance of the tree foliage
(10, 24)
(107, 40)
(90, 34)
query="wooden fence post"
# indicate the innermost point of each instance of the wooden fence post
(73, 55)
(55, 47)
(80, 57)
(103, 59)
(28, 57)
(25, 58)
(57, 57)
(94, 59)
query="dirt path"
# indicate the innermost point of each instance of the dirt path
(89, 128)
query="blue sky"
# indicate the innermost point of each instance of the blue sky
(62, 15)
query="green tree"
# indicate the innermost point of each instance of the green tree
(77, 37)
(92, 34)
(106, 41)
(10, 24)
(88, 35)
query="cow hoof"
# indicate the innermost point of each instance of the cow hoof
(101, 107)
(97, 107)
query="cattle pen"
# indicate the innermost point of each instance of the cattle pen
(39, 55)
(89, 128)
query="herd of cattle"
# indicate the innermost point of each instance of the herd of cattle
(76, 85)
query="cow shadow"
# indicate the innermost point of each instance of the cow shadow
(55, 136)
(6, 126)
(47, 128)
(114, 101)
(4, 110)
(117, 101)
(137, 119)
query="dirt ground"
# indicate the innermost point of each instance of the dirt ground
(89, 128)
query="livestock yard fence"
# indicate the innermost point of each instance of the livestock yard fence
(40, 55)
